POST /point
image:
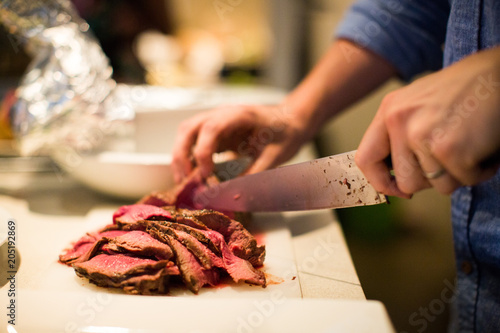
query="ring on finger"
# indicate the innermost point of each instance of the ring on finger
(434, 174)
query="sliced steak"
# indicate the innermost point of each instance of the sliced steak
(136, 275)
(140, 243)
(179, 196)
(181, 218)
(159, 199)
(70, 255)
(240, 240)
(148, 284)
(133, 213)
(206, 257)
(196, 233)
(84, 244)
(237, 268)
(161, 237)
(192, 273)
(190, 187)
(94, 250)
(185, 193)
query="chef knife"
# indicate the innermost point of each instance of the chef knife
(329, 182)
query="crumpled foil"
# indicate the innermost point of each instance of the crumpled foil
(65, 99)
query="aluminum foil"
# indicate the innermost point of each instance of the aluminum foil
(65, 99)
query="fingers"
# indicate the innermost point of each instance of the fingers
(181, 153)
(408, 138)
(436, 174)
(407, 169)
(468, 161)
(196, 142)
(213, 131)
(371, 159)
(207, 144)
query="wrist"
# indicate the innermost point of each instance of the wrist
(311, 104)
(303, 119)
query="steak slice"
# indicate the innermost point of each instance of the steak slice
(143, 225)
(196, 233)
(159, 199)
(133, 213)
(71, 255)
(80, 247)
(147, 284)
(85, 244)
(140, 243)
(179, 196)
(206, 257)
(240, 240)
(96, 248)
(181, 218)
(238, 268)
(192, 273)
(135, 275)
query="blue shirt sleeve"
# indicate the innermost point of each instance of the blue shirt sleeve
(409, 34)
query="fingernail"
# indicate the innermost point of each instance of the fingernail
(397, 191)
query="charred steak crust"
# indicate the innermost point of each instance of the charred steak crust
(84, 244)
(140, 243)
(206, 257)
(192, 273)
(196, 233)
(240, 240)
(133, 213)
(237, 268)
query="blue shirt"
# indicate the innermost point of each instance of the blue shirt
(411, 35)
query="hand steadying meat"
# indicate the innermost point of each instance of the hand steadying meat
(272, 135)
(266, 133)
(445, 125)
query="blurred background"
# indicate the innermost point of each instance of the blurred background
(403, 251)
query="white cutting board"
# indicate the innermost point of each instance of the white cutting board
(279, 264)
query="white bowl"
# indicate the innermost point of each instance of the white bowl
(123, 175)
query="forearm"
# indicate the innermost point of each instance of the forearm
(345, 74)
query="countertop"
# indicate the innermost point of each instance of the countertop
(50, 210)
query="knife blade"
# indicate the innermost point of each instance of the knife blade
(329, 182)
